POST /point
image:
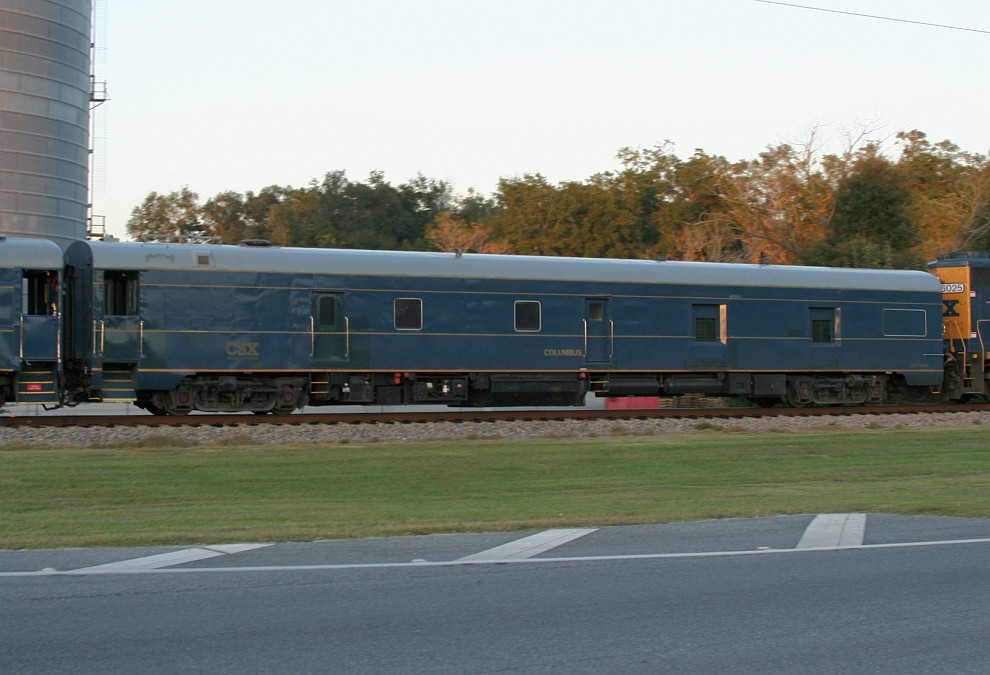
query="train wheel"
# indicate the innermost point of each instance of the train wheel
(146, 404)
(798, 396)
(175, 412)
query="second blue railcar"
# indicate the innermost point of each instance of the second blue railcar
(180, 327)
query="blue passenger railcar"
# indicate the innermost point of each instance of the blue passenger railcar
(30, 320)
(209, 327)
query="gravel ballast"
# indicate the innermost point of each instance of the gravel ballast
(329, 434)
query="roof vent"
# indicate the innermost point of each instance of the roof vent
(254, 242)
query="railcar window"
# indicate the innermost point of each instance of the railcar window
(528, 316)
(707, 320)
(822, 325)
(596, 311)
(904, 323)
(821, 331)
(40, 293)
(408, 313)
(120, 293)
(705, 329)
(327, 311)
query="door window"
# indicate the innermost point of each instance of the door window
(40, 293)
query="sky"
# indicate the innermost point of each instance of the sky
(219, 95)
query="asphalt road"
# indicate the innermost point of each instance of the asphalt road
(844, 593)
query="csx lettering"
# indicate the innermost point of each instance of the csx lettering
(950, 307)
(242, 349)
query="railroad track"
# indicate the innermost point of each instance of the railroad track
(467, 415)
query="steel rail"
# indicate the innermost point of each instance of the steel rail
(468, 415)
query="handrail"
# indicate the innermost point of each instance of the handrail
(347, 337)
(312, 337)
(960, 336)
(611, 346)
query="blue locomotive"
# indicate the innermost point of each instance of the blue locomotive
(219, 328)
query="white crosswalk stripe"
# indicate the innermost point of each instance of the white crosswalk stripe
(527, 547)
(153, 562)
(834, 530)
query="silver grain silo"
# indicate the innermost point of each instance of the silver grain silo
(44, 117)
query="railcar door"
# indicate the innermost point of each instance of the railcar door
(330, 334)
(599, 331)
(40, 329)
(120, 331)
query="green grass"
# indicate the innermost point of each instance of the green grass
(164, 493)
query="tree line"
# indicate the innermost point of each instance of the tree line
(793, 204)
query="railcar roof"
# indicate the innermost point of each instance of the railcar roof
(146, 256)
(30, 253)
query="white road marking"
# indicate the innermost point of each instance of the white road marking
(49, 572)
(834, 530)
(235, 548)
(527, 547)
(153, 562)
